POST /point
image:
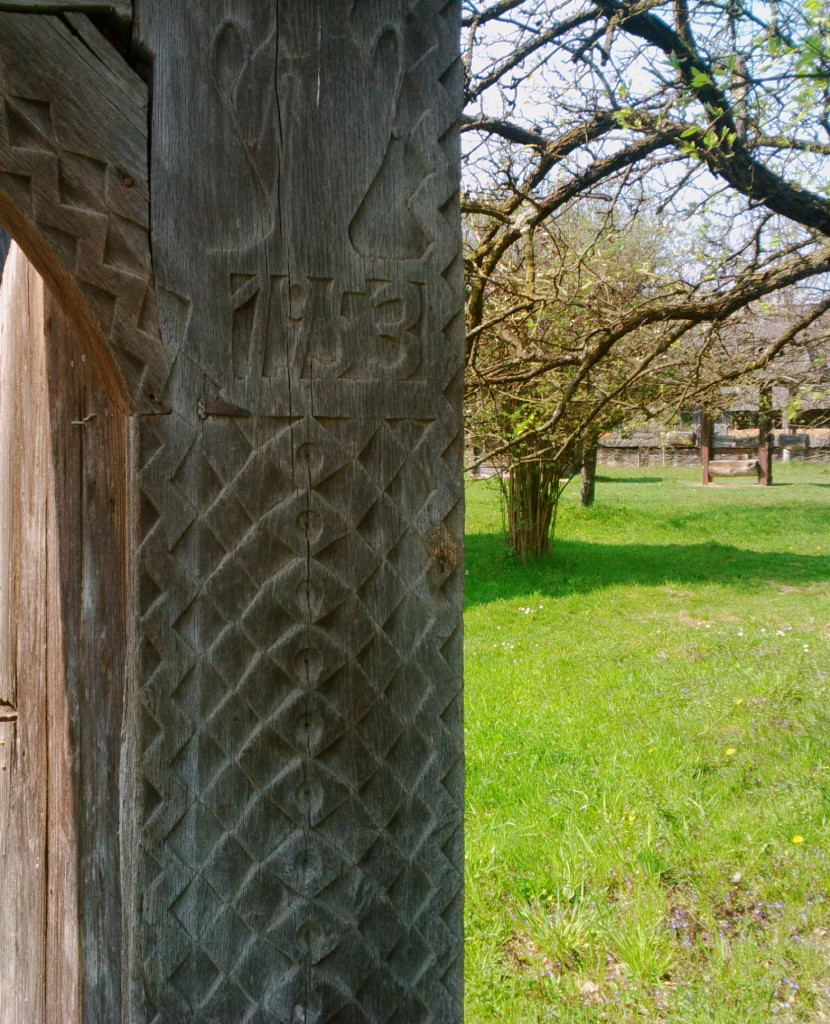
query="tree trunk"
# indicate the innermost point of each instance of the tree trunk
(531, 493)
(588, 475)
(765, 421)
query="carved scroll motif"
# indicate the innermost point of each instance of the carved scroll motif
(73, 189)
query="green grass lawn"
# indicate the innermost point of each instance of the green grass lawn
(648, 744)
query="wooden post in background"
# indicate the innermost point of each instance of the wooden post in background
(588, 473)
(705, 445)
(765, 412)
(299, 733)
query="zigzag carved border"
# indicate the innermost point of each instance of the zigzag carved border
(74, 190)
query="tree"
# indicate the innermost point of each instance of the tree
(544, 300)
(714, 116)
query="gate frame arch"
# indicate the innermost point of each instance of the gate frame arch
(74, 191)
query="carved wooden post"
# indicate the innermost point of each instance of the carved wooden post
(300, 722)
(291, 793)
(705, 445)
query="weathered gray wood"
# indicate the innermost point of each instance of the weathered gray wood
(294, 727)
(300, 729)
(89, 456)
(123, 8)
(63, 499)
(74, 191)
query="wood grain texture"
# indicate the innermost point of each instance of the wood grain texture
(300, 567)
(74, 191)
(63, 499)
(123, 8)
(89, 456)
(37, 913)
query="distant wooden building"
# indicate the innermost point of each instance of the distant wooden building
(796, 389)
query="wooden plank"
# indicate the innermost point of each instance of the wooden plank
(89, 453)
(734, 467)
(8, 315)
(123, 8)
(63, 592)
(62, 989)
(24, 821)
(74, 190)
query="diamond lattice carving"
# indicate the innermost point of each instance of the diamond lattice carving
(300, 688)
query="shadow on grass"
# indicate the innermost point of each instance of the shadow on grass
(494, 573)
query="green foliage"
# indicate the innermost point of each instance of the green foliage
(589, 267)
